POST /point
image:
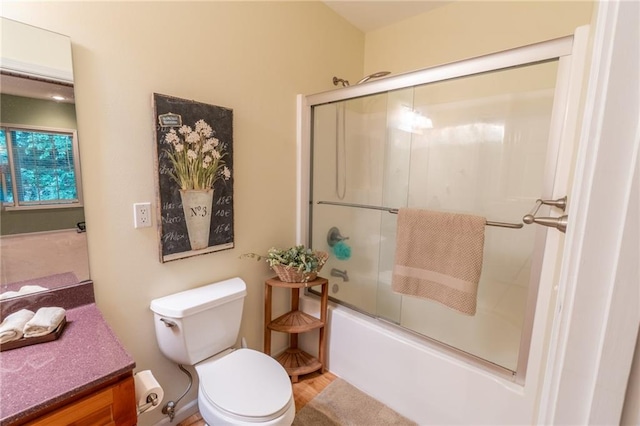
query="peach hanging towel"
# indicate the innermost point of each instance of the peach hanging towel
(439, 257)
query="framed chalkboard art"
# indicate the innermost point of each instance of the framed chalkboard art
(194, 147)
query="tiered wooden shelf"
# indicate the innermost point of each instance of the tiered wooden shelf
(296, 361)
(295, 322)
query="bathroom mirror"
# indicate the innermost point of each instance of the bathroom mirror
(43, 242)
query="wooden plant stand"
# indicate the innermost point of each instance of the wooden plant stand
(294, 360)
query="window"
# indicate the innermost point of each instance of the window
(39, 168)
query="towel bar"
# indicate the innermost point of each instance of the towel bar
(395, 211)
(560, 223)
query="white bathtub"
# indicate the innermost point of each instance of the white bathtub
(417, 380)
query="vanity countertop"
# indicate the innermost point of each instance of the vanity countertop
(37, 377)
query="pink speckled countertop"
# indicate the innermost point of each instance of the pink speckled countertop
(36, 377)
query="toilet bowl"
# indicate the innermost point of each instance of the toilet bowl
(245, 387)
(199, 327)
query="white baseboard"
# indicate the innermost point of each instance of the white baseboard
(188, 409)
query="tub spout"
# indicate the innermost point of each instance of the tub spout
(338, 273)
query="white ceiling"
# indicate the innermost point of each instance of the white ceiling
(372, 15)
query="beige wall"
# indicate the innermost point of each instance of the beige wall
(251, 57)
(465, 29)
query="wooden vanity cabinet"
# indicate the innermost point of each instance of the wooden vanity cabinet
(112, 404)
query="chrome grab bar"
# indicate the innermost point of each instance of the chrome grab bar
(560, 223)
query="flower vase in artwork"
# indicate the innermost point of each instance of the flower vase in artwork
(197, 206)
(197, 160)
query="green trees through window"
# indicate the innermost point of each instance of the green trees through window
(38, 167)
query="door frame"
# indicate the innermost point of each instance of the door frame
(597, 313)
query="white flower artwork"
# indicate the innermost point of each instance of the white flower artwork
(194, 145)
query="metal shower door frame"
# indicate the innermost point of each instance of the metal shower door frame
(570, 52)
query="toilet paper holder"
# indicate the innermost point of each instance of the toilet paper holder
(148, 391)
(152, 401)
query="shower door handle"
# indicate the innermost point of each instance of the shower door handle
(560, 223)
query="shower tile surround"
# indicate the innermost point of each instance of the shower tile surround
(39, 377)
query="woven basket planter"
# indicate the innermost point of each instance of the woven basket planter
(289, 274)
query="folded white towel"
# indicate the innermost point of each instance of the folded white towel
(25, 289)
(44, 321)
(9, 294)
(13, 325)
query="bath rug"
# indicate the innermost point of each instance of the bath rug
(342, 404)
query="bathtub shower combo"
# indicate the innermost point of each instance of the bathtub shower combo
(476, 144)
(481, 136)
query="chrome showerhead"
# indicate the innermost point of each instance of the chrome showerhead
(374, 75)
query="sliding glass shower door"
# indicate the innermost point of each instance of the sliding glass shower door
(476, 144)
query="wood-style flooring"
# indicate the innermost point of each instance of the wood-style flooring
(307, 387)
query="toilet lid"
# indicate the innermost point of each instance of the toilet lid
(246, 383)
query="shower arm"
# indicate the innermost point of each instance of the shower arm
(374, 75)
(345, 83)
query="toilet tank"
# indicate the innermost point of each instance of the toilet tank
(196, 324)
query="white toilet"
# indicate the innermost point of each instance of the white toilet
(239, 387)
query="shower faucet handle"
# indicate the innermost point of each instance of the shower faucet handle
(334, 236)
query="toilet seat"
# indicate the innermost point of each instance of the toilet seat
(245, 385)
